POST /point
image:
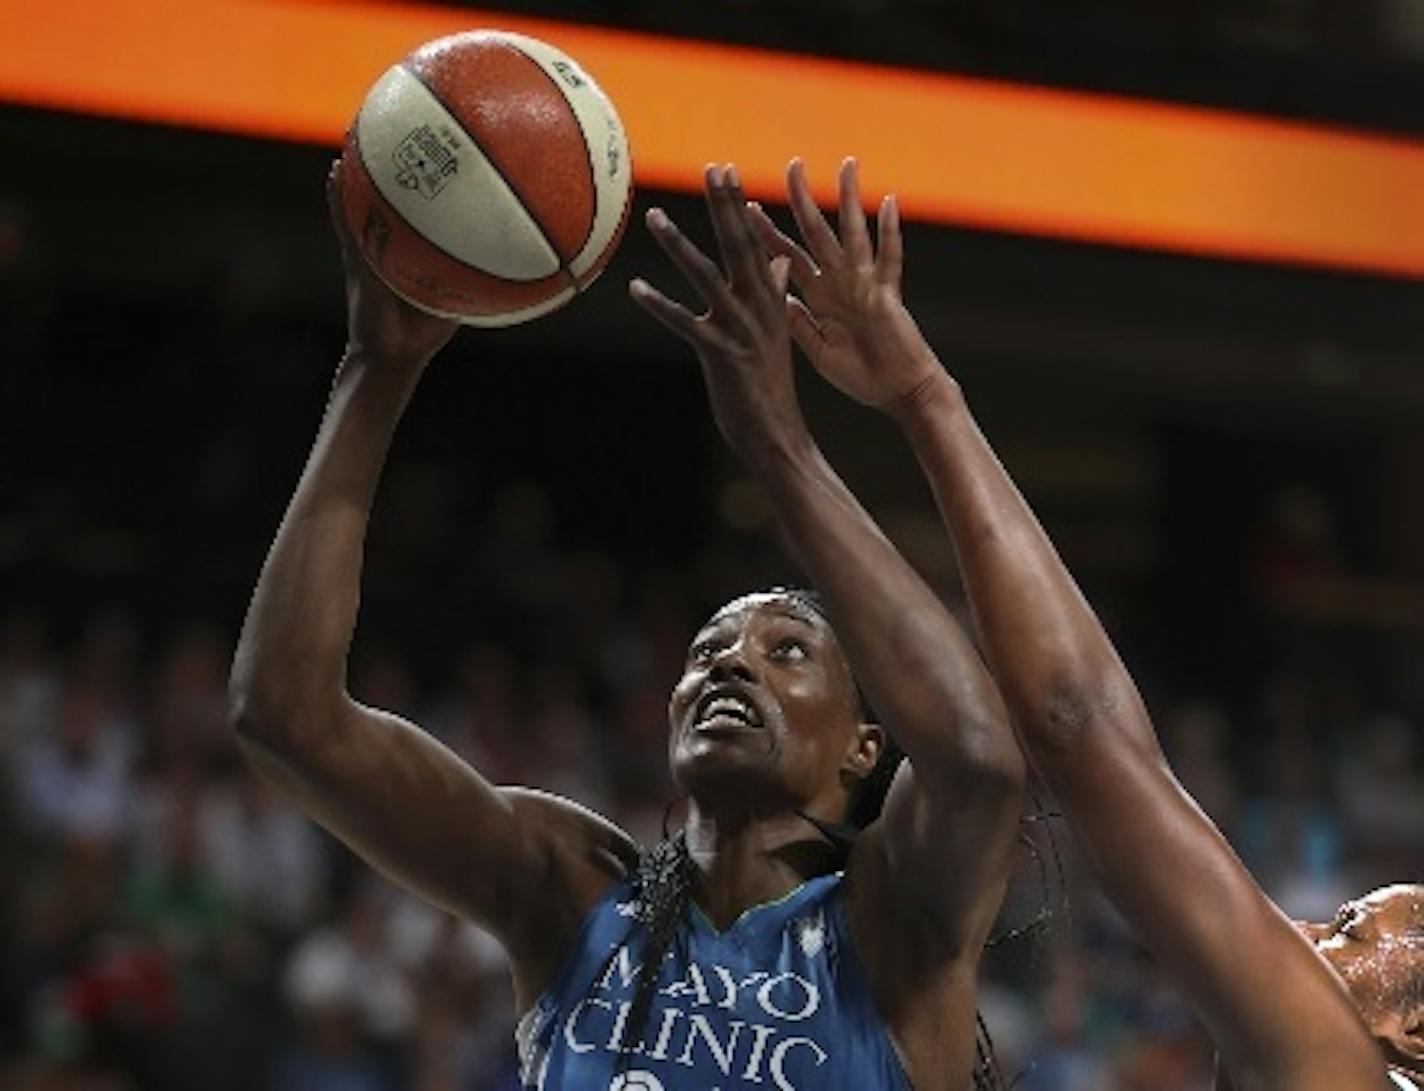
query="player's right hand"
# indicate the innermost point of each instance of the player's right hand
(850, 320)
(380, 326)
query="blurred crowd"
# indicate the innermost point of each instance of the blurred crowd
(171, 924)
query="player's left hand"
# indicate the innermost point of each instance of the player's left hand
(743, 340)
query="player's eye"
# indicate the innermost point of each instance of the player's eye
(703, 651)
(1348, 920)
(791, 650)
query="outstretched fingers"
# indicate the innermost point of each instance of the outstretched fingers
(700, 270)
(890, 256)
(800, 270)
(673, 315)
(855, 237)
(805, 330)
(777, 243)
(820, 240)
(746, 293)
(742, 255)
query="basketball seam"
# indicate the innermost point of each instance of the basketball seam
(543, 230)
(588, 276)
(587, 158)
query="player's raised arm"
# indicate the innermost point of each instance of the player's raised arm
(522, 864)
(945, 840)
(1281, 1020)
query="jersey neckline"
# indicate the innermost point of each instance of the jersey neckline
(701, 920)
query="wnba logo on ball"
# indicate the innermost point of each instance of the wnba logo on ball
(423, 162)
(636, 1080)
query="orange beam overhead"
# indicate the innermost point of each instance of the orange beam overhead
(956, 150)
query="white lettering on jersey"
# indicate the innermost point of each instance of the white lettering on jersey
(778, 1060)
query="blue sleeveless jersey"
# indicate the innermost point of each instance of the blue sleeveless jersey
(777, 1002)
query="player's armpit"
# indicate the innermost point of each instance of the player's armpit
(523, 864)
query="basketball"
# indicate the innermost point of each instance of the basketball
(487, 178)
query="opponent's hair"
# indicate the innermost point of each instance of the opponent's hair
(665, 876)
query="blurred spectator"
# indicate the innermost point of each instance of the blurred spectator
(1065, 1061)
(1291, 834)
(1381, 794)
(562, 741)
(27, 683)
(265, 856)
(348, 969)
(188, 706)
(73, 774)
(1296, 547)
(330, 1055)
(1195, 736)
(480, 716)
(106, 662)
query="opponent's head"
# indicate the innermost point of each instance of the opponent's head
(767, 715)
(1376, 945)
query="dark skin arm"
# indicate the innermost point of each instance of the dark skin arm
(1276, 1012)
(940, 854)
(523, 864)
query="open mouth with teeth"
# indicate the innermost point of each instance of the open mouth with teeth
(727, 710)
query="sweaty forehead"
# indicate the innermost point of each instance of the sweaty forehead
(1405, 901)
(779, 603)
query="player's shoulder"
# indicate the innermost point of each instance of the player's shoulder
(574, 833)
(576, 858)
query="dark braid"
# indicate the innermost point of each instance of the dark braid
(986, 1064)
(663, 889)
(1050, 906)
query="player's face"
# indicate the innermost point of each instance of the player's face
(766, 712)
(1376, 945)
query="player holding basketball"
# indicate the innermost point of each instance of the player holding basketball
(766, 945)
(1275, 1011)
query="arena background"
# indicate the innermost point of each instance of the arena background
(1227, 452)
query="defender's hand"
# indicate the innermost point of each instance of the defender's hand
(380, 326)
(742, 340)
(850, 320)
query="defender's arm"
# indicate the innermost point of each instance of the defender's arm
(1274, 1008)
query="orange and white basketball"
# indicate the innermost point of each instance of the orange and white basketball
(487, 178)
